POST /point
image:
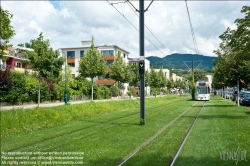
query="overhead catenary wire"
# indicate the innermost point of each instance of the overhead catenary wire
(134, 26)
(145, 24)
(192, 30)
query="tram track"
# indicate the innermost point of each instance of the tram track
(186, 136)
(155, 135)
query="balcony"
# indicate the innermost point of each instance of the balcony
(71, 60)
(109, 57)
(105, 82)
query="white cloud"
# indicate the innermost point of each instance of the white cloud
(75, 21)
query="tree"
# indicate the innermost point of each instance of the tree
(154, 79)
(44, 59)
(162, 79)
(147, 78)
(6, 30)
(120, 71)
(135, 77)
(92, 64)
(233, 55)
(199, 75)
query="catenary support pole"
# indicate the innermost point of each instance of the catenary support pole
(238, 92)
(193, 84)
(142, 58)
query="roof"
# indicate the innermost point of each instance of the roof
(97, 47)
(20, 48)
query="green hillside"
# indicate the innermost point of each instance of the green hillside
(176, 61)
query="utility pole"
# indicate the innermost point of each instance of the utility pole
(142, 64)
(193, 85)
(192, 77)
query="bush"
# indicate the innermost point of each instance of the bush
(134, 92)
(114, 90)
(17, 89)
(103, 92)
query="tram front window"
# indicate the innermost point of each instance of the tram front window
(202, 90)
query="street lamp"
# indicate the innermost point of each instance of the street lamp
(65, 87)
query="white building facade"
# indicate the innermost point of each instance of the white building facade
(109, 52)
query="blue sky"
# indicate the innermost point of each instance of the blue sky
(56, 4)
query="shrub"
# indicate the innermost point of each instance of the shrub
(114, 91)
(103, 92)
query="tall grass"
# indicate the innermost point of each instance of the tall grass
(20, 120)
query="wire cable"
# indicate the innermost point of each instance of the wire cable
(145, 24)
(134, 26)
(192, 30)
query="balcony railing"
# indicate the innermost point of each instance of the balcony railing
(17, 55)
(109, 57)
(105, 82)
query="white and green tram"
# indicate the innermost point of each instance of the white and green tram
(202, 90)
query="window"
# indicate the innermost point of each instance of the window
(18, 65)
(71, 64)
(81, 53)
(107, 52)
(70, 54)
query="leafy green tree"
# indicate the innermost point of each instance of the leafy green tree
(199, 75)
(135, 77)
(162, 79)
(44, 59)
(92, 64)
(120, 71)
(233, 55)
(154, 79)
(6, 30)
(147, 78)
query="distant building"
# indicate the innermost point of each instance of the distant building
(173, 77)
(15, 58)
(135, 61)
(166, 72)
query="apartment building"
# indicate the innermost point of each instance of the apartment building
(109, 52)
(15, 58)
(166, 72)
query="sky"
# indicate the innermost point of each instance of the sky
(67, 23)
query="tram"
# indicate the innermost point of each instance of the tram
(202, 90)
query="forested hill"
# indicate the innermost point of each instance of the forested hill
(176, 61)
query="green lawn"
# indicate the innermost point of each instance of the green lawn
(107, 132)
(221, 130)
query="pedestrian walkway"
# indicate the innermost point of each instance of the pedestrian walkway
(30, 106)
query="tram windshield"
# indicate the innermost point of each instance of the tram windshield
(203, 90)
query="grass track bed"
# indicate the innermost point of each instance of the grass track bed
(107, 136)
(222, 127)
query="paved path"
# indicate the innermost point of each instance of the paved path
(2, 108)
